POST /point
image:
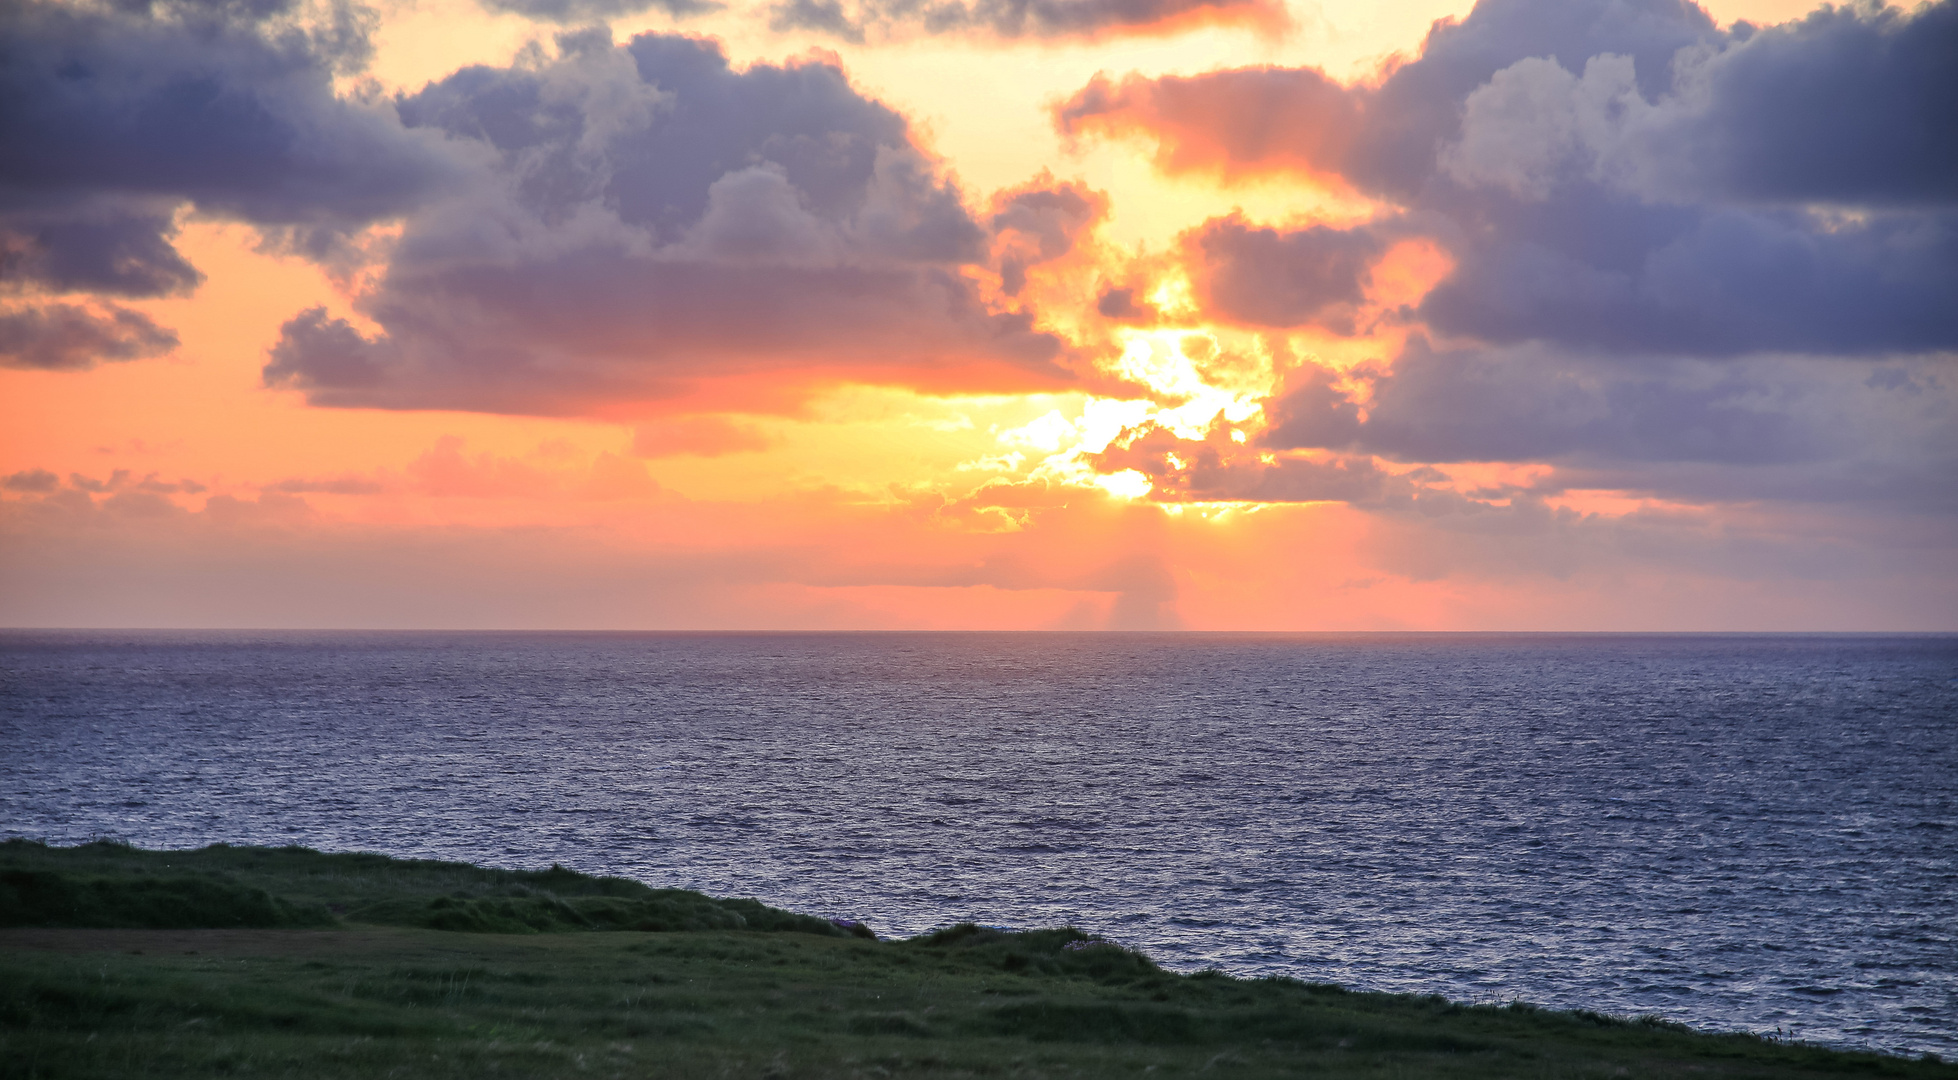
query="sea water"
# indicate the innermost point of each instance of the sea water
(1740, 833)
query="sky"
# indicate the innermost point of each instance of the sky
(979, 314)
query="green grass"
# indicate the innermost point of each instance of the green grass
(320, 965)
(105, 885)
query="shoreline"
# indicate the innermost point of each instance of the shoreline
(349, 964)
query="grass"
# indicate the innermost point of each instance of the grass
(317, 965)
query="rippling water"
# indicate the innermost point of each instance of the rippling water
(1738, 832)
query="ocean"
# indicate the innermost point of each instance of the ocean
(1751, 833)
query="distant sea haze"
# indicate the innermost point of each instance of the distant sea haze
(1737, 832)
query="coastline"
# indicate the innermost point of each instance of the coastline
(464, 970)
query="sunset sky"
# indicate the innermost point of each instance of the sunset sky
(979, 314)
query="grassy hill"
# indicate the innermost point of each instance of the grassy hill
(288, 962)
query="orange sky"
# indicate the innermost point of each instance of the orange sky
(186, 492)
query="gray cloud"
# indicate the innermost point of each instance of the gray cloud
(1596, 273)
(568, 12)
(1466, 405)
(1420, 106)
(1042, 222)
(1850, 105)
(1014, 18)
(1614, 176)
(648, 217)
(68, 337)
(820, 16)
(31, 481)
(1268, 278)
(1782, 428)
(115, 247)
(324, 352)
(1217, 469)
(117, 116)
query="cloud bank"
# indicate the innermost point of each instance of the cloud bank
(1670, 242)
(645, 220)
(120, 117)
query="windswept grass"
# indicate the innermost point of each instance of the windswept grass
(382, 990)
(106, 884)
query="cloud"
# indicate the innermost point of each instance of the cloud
(1850, 105)
(31, 481)
(113, 249)
(570, 12)
(121, 115)
(1879, 72)
(1704, 280)
(1219, 470)
(1780, 428)
(1844, 106)
(121, 487)
(1013, 19)
(1250, 120)
(1263, 277)
(649, 221)
(1041, 222)
(70, 337)
(1615, 176)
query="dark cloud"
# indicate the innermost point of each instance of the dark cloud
(1265, 277)
(1780, 426)
(649, 127)
(1041, 222)
(114, 249)
(31, 481)
(1837, 441)
(324, 352)
(1219, 470)
(1613, 176)
(1474, 406)
(1313, 411)
(1595, 273)
(1417, 108)
(820, 16)
(68, 337)
(650, 218)
(587, 11)
(1018, 18)
(1850, 106)
(1853, 104)
(117, 481)
(1122, 306)
(1053, 216)
(117, 116)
